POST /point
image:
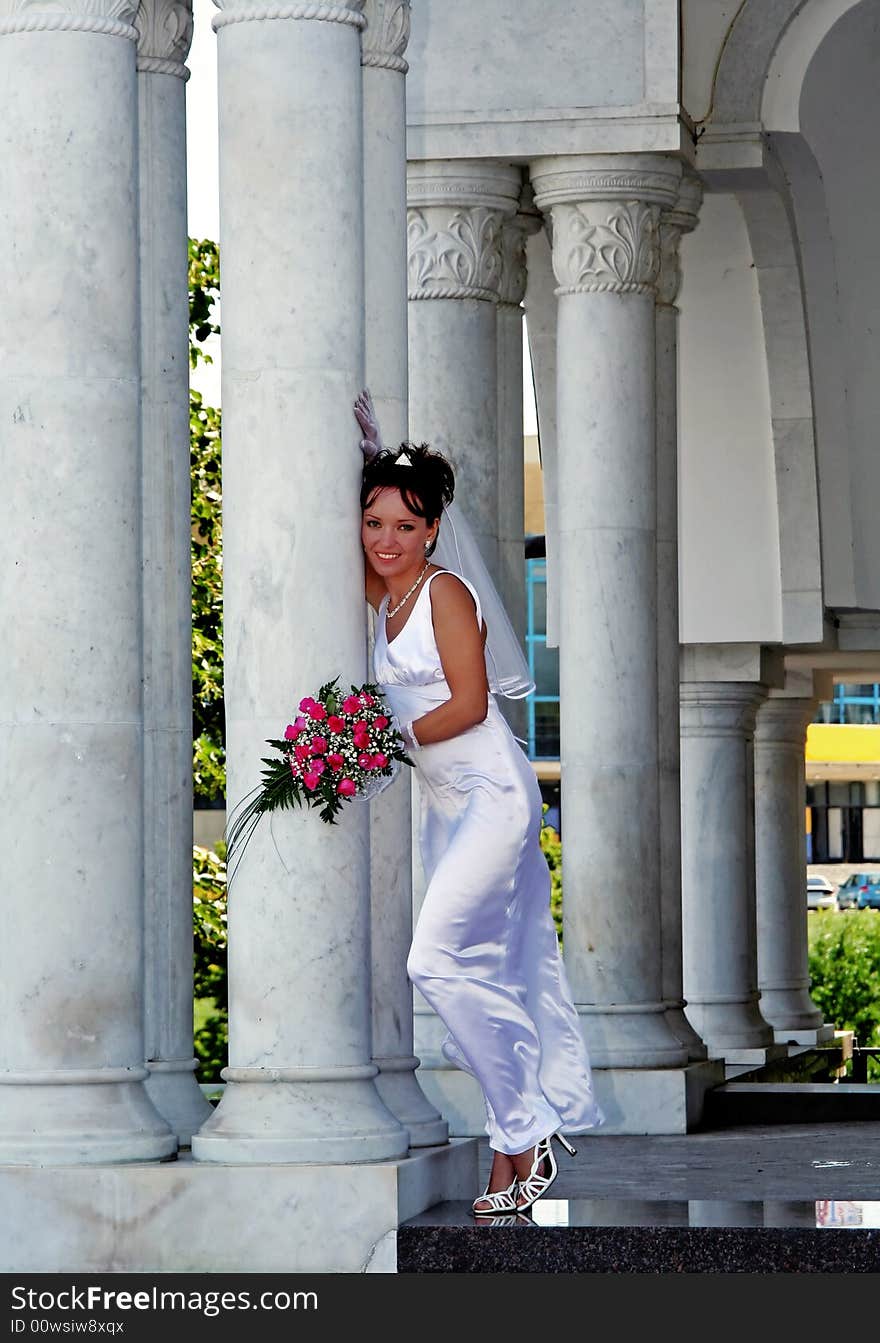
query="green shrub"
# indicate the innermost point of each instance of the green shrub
(210, 1016)
(552, 847)
(845, 971)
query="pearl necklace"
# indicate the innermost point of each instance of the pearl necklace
(407, 595)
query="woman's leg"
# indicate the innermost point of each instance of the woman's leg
(461, 962)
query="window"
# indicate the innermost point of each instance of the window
(543, 706)
(851, 704)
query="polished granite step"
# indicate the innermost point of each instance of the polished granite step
(762, 1102)
(600, 1235)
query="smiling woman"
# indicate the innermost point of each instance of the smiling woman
(485, 953)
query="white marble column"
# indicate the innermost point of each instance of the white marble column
(456, 211)
(71, 774)
(454, 224)
(300, 1081)
(541, 307)
(718, 864)
(781, 867)
(384, 71)
(606, 257)
(164, 34)
(511, 465)
(682, 219)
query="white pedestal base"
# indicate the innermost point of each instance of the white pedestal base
(819, 1035)
(634, 1100)
(187, 1217)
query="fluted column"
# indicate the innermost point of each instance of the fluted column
(718, 864)
(71, 714)
(164, 34)
(454, 224)
(781, 866)
(384, 72)
(511, 467)
(605, 213)
(300, 1082)
(682, 219)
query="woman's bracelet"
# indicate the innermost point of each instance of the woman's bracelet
(409, 736)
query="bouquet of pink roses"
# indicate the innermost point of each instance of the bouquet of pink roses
(338, 748)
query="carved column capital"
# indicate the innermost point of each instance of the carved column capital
(254, 11)
(455, 214)
(164, 29)
(514, 232)
(673, 223)
(111, 18)
(606, 218)
(386, 34)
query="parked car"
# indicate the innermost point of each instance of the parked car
(860, 887)
(820, 893)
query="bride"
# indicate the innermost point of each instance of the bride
(484, 954)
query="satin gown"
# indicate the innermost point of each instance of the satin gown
(485, 953)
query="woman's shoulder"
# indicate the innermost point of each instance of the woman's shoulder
(453, 594)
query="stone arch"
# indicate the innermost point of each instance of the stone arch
(765, 57)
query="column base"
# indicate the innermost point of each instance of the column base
(684, 1032)
(173, 1089)
(634, 1035)
(182, 1217)
(398, 1086)
(330, 1115)
(730, 1027)
(634, 1100)
(82, 1118)
(737, 1061)
(788, 1011)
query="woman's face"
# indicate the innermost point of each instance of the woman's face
(394, 539)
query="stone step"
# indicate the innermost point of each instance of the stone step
(596, 1236)
(790, 1103)
(816, 1064)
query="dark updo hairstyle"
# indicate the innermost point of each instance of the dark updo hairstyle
(425, 485)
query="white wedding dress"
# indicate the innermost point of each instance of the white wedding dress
(485, 953)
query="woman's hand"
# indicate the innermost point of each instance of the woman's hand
(365, 414)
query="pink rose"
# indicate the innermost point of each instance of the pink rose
(346, 788)
(365, 761)
(380, 760)
(316, 711)
(319, 745)
(380, 722)
(334, 760)
(335, 723)
(361, 741)
(317, 765)
(311, 780)
(306, 704)
(351, 704)
(301, 752)
(290, 732)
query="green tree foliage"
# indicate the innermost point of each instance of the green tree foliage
(845, 970)
(210, 985)
(552, 848)
(209, 754)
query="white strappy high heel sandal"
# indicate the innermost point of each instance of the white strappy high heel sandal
(535, 1184)
(502, 1201)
